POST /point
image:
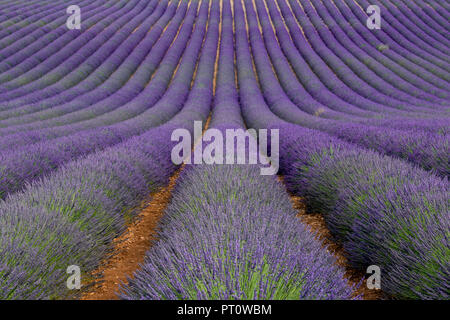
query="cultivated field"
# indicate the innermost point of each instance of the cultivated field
(120, 177)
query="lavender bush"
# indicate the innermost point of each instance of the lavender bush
(230, 233)
(373, 204)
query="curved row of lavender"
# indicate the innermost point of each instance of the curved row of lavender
(19, 21)
(361, 81)
(127, 82)
(50, 113)
(104, 62)
(317, 90)
(230, 233)
(125, 78)
(429, 150)
(39, 159)
(398, 42)
(384, 211)
(355, 51)
(17, 46)
(117, 89)
(72, 216)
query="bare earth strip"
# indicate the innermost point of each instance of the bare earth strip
(131, 247)
(317, 225)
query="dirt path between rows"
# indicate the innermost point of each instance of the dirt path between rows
(316, 223)
(131, 247)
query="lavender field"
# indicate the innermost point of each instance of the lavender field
(120, 177)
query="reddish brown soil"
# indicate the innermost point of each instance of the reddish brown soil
(130, 248)
(316, 223)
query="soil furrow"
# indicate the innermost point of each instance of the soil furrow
(131, 247)
(316, 223)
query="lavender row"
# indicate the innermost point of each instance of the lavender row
(389, 36)
(36, 38)
(131, 100)
(13, 19)
(384, 211)
(396, 53)
(32, 162)
(325, 61)
(72, 216)
(90, 52)
(230, 233)
(96, 84)
(401, 78)
(426, 149)
(253, 247)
